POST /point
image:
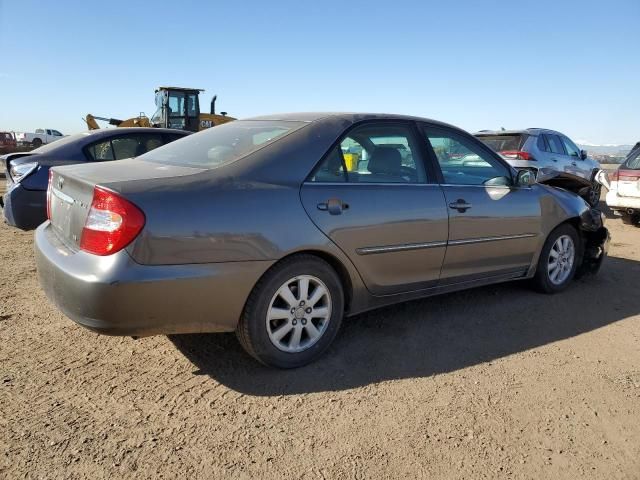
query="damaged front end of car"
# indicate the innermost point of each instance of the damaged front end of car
(590, 220)
(596, 241)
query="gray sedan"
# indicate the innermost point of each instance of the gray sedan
(278, 227)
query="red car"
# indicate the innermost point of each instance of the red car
(7, 142)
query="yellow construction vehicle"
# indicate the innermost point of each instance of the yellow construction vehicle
(177, 108)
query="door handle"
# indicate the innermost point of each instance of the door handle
(334, 206)
(460, 205)
(574, 164)
(554, 160)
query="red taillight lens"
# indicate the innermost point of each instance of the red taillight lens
(49, 195)
(627, 175)
(112, 223)
(517, 154)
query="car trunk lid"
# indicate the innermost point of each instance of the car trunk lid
(628, 183)
(71, 189)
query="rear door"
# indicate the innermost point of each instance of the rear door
(560, 161)
(493, 226)
(372, 196)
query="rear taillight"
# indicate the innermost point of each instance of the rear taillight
(517, 155)
(626, 175)
(112, 223)
(49, 195)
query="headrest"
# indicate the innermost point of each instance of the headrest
(385, 160)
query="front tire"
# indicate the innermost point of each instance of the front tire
(559, 260)
(293, 313)
(592, 196)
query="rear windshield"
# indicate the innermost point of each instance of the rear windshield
(633, 160)
(503, 143)
(223, 144)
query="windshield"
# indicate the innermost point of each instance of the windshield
(503, 143)
(633, 161)
(60, 143)
(223, 144)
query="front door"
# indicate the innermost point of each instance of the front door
(372, 197)
(493, 226)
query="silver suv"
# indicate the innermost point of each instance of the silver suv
(547, 153)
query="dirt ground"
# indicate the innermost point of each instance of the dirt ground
(497, 382)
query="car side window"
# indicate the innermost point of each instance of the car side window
(135, 145)
(464, 163)
(374, 153)
(555, 144)
(543, 146)
(571, 148)
(100, 151)
(172, 137)
(56, 133)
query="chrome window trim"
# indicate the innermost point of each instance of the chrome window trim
(391, 184)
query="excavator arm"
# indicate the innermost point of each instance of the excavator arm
(140, 121)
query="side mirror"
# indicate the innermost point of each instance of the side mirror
(583, 154)
(525, 178)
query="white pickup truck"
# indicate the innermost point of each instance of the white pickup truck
(40, 137)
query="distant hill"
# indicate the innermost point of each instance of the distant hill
(605, 149)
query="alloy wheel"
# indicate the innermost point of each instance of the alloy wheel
(298, 314)
(561, 259)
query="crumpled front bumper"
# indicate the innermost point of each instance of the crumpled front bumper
(596, 241)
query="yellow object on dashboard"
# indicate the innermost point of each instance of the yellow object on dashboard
(351, 161)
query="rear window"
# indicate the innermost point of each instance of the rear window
(503, 143)
(223, 144)
(633, 161)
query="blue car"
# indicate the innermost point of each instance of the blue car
(25, 203)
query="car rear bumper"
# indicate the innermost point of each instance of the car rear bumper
(617, 202)
(114, 295)
(25, 209)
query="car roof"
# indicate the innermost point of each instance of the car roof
(351, 117)
(105, 132)
(530, 131)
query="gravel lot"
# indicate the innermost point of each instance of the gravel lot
(498, 382)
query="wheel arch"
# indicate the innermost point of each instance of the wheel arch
(335, 263)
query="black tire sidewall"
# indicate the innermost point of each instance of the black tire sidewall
(254, 317)
(593, 202)
(542, 280)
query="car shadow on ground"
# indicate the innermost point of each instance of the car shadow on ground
(431, 336)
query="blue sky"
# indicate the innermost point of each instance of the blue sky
(569, 65)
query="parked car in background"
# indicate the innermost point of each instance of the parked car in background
(25, 204)
(623, 184)
(41, 136)
(259, 226)
(7, 142)
(548, 153)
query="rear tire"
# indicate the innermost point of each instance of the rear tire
(559, 260)
(36, 142)
(293, 313)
